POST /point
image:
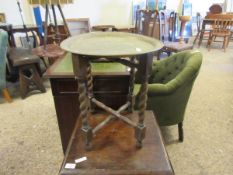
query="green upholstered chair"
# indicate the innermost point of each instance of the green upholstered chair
(170, 85)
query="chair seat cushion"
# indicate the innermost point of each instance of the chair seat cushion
(22, 56)
(176, 46)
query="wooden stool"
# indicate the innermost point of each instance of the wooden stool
(28, 65)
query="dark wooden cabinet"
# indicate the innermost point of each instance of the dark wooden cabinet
(110, 87)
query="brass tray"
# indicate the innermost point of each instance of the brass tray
(111, 44)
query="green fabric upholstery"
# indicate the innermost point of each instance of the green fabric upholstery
(66, 66)
(3, 51)
(170, 85)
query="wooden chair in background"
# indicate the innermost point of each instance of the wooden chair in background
(27, 65)
(199, 28)
(221, 28)
(146, 22)
(231, 37)
(162, 25)
(167, 24)
(103, 28)
(171, 26)
(171, 45)
(53, 37)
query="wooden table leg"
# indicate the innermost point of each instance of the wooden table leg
(145, 69)
(131, 86)
(201, 34)
(80, 67)
(90, 86)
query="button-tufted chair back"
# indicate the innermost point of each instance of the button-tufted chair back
(167, 69)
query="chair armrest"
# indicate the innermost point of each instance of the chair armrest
(153, 89)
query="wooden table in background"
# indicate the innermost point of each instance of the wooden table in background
(110, 86)
(114, 151)
(209, 20)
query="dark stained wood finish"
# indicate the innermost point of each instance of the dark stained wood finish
(52, 51)
(29, 80)
(103, 28)
(181, 132)
(110, 88)
(55, 33)
(29, 70)
(146, 22)
(114, 151)
(62, 33)
(129, 29)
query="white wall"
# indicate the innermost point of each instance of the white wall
(117, 12)
(201, 6)
(10, 8)
(229, 6)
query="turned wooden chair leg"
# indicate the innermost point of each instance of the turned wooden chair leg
(225, 43)
(6, 95)
(37, 79)
(228, 40)
(194, 42)
(180, 131)
(23, 83)
(210, 42)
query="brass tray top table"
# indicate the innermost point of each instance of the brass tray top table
(113, 46)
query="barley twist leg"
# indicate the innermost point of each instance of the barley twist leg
(141, 129)
(90, 86)
(83, 100)
(131, 86)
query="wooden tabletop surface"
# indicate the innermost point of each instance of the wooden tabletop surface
(114, 151)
